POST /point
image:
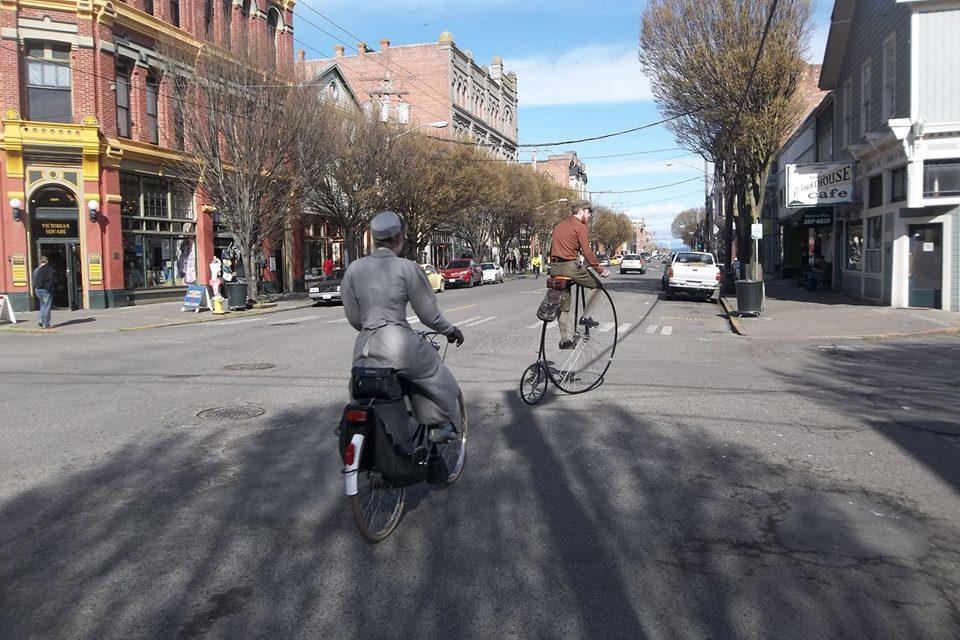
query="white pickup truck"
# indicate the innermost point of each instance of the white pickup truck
(692, 272)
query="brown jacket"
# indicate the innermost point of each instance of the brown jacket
(571, 238)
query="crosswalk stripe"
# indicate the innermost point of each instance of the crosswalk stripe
(667, 330)
(623, 327)
(605, 327)
(473, 324)
(651, 329)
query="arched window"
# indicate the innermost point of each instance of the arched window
(273, 23)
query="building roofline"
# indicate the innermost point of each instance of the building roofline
(840, 22)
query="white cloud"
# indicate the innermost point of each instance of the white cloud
(595, 74)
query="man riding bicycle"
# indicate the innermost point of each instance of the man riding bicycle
(376, 290)
(571, 238)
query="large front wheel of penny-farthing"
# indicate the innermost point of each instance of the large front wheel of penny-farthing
(533, 384)
(593, 330)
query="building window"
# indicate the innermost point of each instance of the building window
(273, 21)
(123, 101)
(148, 6)
(158, 232)
(846, 102)
(865, 95)
(179, 113)
(889, 77)
(941, 178)
(227, 9)
(208, 18)
(175, 12)
(875, 191)
(874, 241)
(153, 99)
(49, 82)
(825, 143)
(898, 184)
(854, 245)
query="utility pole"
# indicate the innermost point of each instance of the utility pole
(708, 208)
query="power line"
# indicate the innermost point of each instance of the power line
(662, 186)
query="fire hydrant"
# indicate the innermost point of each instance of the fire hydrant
(218, 306)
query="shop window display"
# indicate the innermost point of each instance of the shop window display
(854, 257)
(874, 239)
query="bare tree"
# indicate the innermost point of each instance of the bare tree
(240, 118)
(688, 226)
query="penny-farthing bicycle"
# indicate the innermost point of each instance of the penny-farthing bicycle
(582, 367)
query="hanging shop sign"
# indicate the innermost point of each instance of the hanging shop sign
(196, 298)
(816, 217)
(95, 268)
(18, 265)
(57, 228)
(809, 185)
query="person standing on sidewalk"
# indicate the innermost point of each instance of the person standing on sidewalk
(535, 263)
(43, 279)
(571, 238)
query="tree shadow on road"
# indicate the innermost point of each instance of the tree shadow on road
(555, 530)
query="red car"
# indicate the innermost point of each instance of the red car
(462, 273)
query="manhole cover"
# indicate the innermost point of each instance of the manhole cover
(231, 413)
(250, 366)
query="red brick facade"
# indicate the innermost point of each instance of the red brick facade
(83, 155)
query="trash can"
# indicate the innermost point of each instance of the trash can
(749, 297)
(236, 295)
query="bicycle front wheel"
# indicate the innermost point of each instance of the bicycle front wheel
(594, 329)
(377, 507)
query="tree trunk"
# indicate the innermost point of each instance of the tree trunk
(252, 271)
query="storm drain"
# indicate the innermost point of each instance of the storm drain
(250, 366)
(231, 413)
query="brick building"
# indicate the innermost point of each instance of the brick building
(419, 84)
(89, 137)
(567, 170)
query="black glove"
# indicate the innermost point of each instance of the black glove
(455, 336)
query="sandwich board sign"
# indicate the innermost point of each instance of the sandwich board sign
(196, 298)
(6, 311)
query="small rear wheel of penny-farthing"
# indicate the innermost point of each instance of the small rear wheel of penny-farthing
(533, 384)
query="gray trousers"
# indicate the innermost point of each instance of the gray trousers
(436, 390)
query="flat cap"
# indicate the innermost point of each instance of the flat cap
(576, 205)
(385, 225)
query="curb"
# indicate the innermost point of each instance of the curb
(735, 324)
(914, 334)
(226, 316)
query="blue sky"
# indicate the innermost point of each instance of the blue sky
(578, 76)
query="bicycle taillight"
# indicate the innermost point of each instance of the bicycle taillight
(357, 415)
(349, 454)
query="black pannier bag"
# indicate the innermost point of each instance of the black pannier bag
(550, 306)
(389, 444)
(375, 383)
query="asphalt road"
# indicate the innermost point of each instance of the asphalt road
(713, 486)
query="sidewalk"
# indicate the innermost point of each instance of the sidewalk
(147, 316)
(792, 312)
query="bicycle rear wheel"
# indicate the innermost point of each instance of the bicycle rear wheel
(594, 331)
(454, 453)
(377, 507)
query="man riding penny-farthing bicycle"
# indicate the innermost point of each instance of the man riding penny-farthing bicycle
(583, 311)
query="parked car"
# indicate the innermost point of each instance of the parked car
(645, 256)
(603, 260)
(632, 262)
(691, 272)
(434, 277)
(492, 272)
(462, 273)
(327, 289)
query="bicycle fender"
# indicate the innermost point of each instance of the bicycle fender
(350, 471)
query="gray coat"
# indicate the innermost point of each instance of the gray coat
(376, 290)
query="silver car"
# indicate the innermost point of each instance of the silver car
(632, 262)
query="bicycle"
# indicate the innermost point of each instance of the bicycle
(379, 463)
(583, 367)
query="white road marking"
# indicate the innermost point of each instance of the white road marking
(623, 327)
(467, 321)
(651, 329)
(535, 325)
(223, 323)
(413, 320)
(605, 327)
(473, 324)
(667, 330)
(303, 318)
(335, 321)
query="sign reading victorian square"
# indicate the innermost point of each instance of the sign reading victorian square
(810, 185)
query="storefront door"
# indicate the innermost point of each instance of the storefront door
(64, 257)
(926, 265)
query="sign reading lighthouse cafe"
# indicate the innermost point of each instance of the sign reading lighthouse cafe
(812, 185)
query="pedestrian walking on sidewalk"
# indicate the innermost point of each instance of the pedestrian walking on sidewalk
(43, 279)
